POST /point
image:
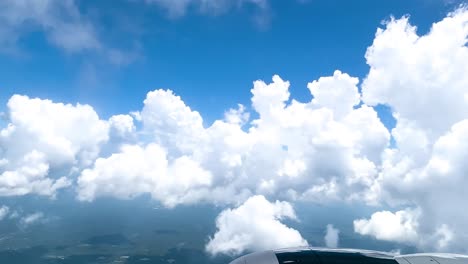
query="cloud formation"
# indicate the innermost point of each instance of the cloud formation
(44, 138)
(332, 236)
(31, 219)
(136, 170)
(214, 7)
(307, 151)
(332, 148)
(62, 22)
(423, 80)
(404, 227)
(254, 225)
(400, 226)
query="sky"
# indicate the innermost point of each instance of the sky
(253, 106)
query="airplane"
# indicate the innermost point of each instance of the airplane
(311, 255)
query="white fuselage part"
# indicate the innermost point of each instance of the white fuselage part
(432, 258)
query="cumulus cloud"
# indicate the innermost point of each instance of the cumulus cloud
(30, 176)
(327, 89)
(136, 170)
(422, 79)
(404, 227)
(425, 70)
(122, 125)
(254, 225)
(332, 148)
(400, 226)
(294, 150)
(332, 236)
(44, 142)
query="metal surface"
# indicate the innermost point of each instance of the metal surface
(265, 257)
(432, 258)
(365, 252)
(270, 257)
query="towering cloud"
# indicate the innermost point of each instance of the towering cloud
(423, 79)
(309, 151)
(332, 236)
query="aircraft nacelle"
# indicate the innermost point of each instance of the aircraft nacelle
(308, 255)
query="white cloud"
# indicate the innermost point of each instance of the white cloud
(44, 142)
(63, 23)
(237, 116)
(170, 121)
(215, 7)
(30, 176)
(293, 150)
(65, 133)
(122, 125)
(427, 71)
(4, 210)
(30, 219)
(60, 20)
(404, 227)
(400, 226)
(136, 170)
(255, 225)
(332, 236)
(423, 80)
(332, 148)
(338, 92)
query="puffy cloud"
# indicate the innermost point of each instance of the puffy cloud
(338, 92)
(332, 236)
(404, 227)
(332, 148)
(122, 125)
(294, 150)
(436, 187)
(254, 225)
(170, 122)
(30, 176)
(400, 226)
(63, 132)
(423, 80)
(44, 142)
(237, 116)
(136, 170)
(427, 71)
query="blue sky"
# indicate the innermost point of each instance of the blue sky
(210, 60)
(108, 103)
